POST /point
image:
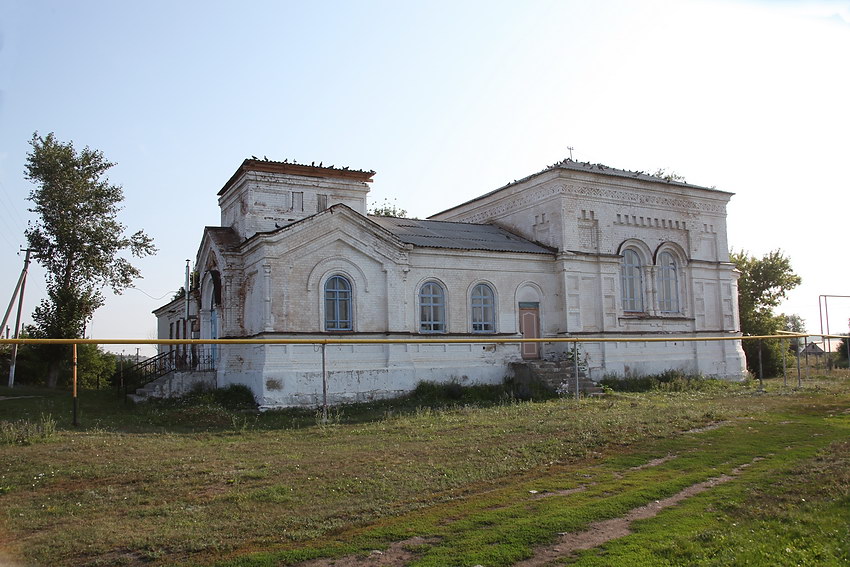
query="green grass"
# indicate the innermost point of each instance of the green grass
(137, 485)
(796, 512)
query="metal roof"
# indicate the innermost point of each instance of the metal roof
(224, 237)
(458, 235)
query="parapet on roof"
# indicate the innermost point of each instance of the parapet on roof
(605, 170)
(587, 167)
(294, 168)
(458, 235)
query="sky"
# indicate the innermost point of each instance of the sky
(445, 100)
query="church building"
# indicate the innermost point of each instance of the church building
(575, 250)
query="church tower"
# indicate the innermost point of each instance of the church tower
(263, 196)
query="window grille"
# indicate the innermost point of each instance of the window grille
(483, 309)
(338, 304)
(432, 308)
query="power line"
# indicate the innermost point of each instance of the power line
(10, 206)
(152, 297)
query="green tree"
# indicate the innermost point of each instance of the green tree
(795, 324)
(841, 352)
(763, 284)
(77, 238)
(95, 366)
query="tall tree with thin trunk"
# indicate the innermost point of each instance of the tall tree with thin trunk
(763, 284)
(77, 238)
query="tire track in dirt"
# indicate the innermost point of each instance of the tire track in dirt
(615, 528)
(399, 554)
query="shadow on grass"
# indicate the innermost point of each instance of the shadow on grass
(232, 409)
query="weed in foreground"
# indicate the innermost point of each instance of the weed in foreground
(25, 432)
(667, 381)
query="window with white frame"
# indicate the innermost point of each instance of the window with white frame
(632, 281)
(432, 308)
(338, 304)
(668, 283)
(483, 303)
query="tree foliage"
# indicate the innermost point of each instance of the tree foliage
(387, 209)
(795, 324)
(763, 284)
(95, 367)
(662, 173)
(841, 352)
(77, 237)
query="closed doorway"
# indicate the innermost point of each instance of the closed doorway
(529, 327)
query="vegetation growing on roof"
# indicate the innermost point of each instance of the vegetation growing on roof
(387, 208)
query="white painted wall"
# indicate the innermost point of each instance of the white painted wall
(273, 285)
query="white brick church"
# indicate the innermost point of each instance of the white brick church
(575, 250)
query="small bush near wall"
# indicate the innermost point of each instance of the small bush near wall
(668, 381)
(202, 408)
(434, 394)
(233, 397)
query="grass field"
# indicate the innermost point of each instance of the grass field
(471, 483)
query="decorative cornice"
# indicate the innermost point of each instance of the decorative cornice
(619, 196)
(291, 168)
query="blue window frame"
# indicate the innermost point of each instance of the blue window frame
(338, 304)
(432, 308)
(483, 302)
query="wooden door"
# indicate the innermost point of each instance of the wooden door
(529, 326)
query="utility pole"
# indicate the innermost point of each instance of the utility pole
(18, 286)
(22, 282)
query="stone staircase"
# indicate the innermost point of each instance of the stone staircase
(174, 384)
(553, 375)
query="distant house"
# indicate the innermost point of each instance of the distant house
(575, 250)
(812, 349)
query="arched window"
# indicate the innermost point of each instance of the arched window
(483, 309)
(632, 281)
(668, 283)
(338, 304)
(432, 308)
